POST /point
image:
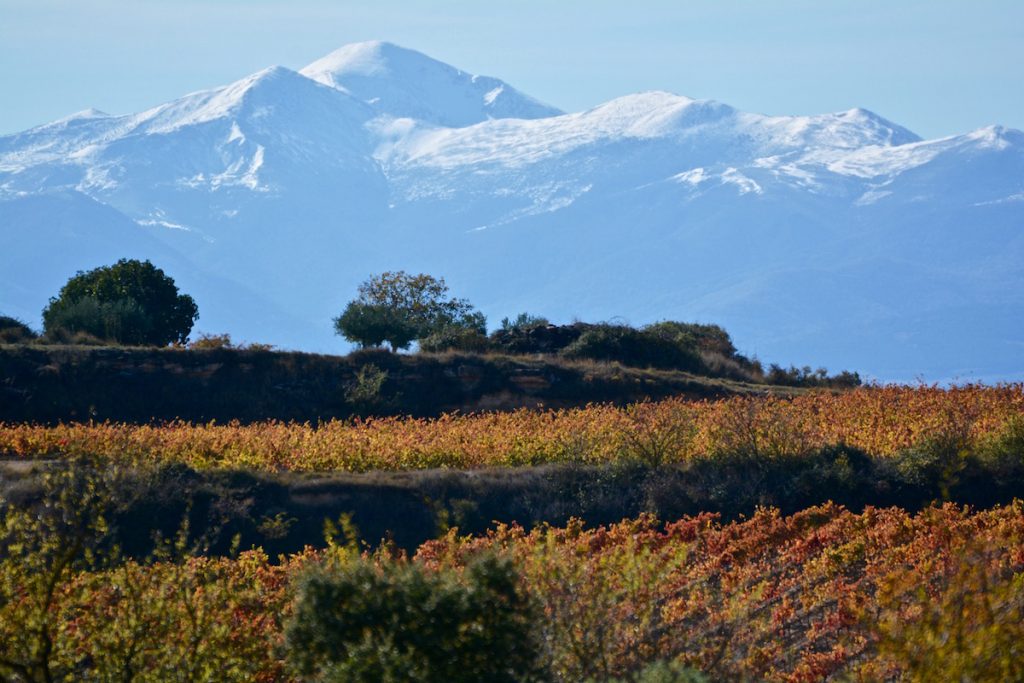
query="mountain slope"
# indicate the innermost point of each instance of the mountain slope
(840, 239)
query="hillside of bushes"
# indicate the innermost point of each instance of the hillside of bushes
(49, 383)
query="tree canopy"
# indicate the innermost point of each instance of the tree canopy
(398, 308)
(130, 302)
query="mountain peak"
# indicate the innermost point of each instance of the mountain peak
(897, 134)
(403, 83)
(655, 113)
(90, 113)
(996, 137)
(367, 58)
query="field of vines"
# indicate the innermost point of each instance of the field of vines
(824, 594)
(800, 598)
(877, 420)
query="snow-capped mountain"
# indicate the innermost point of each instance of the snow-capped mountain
(840, 239)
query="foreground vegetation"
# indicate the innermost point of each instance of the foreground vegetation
(823, 593)
(121, 544)
(879, 421)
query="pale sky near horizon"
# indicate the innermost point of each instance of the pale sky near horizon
(938, 67)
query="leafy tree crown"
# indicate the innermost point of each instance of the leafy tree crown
(131, 302)
(399, 307)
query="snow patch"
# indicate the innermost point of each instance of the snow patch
(1012, 199)
(871, 197)
(732, 176)
(693, 177)
(98, 179)
(251, 179)
(236, 133)
(492, 95)
(155, 222)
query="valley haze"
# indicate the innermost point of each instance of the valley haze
(842, 239)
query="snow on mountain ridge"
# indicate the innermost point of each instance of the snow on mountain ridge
(225, 134)
(642, 116)
(275, 86)
(383, 69)
(841, 130)
(403, 83)
(873, 161)
(518, 142)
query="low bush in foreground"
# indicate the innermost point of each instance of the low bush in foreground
(386, 621)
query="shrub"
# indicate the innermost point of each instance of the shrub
(130, 302)
(207, 342)
(14, 331)
(709, 338)
(737, 367)
(806, 377)
(663, 672)
(122, 320)
(365, 392)
(62, 336)
(210, 342)
(1003, 451)
(455, 339)
(523, 321)
(632, 347)
(358, 619)
(529, 338)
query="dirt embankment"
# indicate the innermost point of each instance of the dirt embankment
(63, 383)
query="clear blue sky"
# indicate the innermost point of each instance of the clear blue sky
(936, 66)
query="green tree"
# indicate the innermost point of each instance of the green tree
(398, 308)
(390, 621)
(374, 324)
(131, 302)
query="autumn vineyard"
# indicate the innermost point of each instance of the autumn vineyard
(824, 593)
(881, 421)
